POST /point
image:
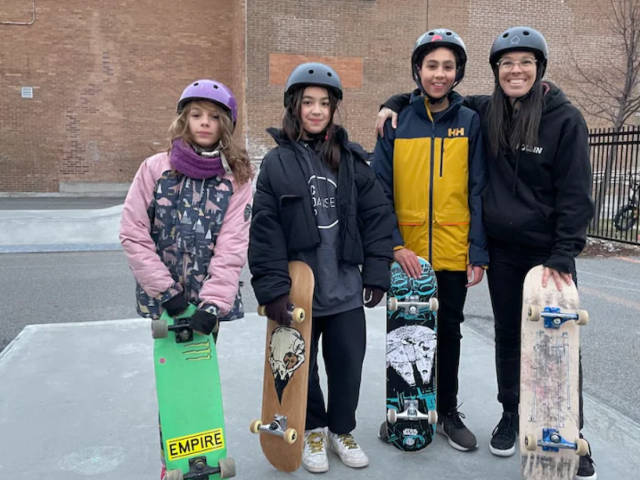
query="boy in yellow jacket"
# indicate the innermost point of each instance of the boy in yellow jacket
(432, 168)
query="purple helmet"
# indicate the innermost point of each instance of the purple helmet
(213, 91)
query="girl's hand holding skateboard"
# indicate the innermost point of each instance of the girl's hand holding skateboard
(409, 262)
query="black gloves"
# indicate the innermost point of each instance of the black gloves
(204, 322)
(278, 310)
(372, 296)
(176, 305)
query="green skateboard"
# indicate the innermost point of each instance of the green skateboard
(190, 401)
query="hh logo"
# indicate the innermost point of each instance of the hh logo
(456, 132)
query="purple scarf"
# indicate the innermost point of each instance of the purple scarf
(186, 161)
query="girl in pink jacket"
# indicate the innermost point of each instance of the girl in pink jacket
(186, 218)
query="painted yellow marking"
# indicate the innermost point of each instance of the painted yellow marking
(629, 259)
(610, 298)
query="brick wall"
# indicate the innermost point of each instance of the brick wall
(106, 79)
(374, 37)
(381, 34)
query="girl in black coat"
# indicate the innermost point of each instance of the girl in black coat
(318, 201)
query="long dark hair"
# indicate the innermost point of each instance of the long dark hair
(330, 152)
(511, 129)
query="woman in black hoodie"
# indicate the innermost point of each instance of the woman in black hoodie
(318, 201)
(537, 203)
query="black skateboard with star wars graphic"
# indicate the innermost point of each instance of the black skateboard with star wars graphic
(411, 358)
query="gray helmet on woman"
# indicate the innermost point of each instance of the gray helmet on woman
(440, 37)
(520, 39)
(313, 74)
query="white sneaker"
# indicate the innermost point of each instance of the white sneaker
(348, 450)
(314, 456)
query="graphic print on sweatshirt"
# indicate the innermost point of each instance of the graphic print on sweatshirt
(324, 196)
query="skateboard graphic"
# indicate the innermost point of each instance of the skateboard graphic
(286, 376)
(411, 354)
(550, 443)
(189, 400)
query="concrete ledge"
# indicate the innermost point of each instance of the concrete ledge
(85, 188)
(60, 227)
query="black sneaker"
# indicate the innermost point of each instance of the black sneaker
(503, 441)
(382, 433)
(460, 437)
(586, 470)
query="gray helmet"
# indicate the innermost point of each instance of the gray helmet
(313, 74)
(440, 37)
(519, 39)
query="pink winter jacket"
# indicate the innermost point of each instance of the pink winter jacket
(186, 235)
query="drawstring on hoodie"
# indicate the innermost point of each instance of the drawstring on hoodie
(515, 179)
(514, 111)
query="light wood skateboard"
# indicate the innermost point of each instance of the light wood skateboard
(550, 443)
(286, 376)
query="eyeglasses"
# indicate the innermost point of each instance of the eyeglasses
(507, 64)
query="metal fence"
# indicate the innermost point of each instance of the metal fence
(616, 180)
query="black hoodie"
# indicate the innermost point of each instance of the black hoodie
(539, 198)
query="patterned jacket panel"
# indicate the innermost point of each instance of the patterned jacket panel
(193, 238)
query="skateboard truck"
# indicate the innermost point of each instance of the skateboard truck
(200, 470)
(552, 441)
(411, 413)
(295, 313)
(412, 305)
(555, 318)
(277, 427)
(181, 327)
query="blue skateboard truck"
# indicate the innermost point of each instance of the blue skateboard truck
(554, 317)
(552, 441)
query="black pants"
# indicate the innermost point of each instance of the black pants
(506, 279)
(452, 293)
(343, 346)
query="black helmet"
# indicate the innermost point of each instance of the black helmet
(440, 37)
(520, 39)
(313, 74)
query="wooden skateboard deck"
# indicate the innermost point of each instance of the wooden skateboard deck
(189, 400)
(549, 395)
(411, 358)
(286, 377)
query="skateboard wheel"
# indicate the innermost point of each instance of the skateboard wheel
(433, 304)
(227, 467)
(159, 329)
(583, 317)
(534, 313)
(392, 304)
(262, 311)
(433, 417)
(290, 436)
(255, 426)
(298, 315)
(530, 443)
(582, 447)
(392, 416)
(174, 475)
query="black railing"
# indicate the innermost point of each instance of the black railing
(616, 181)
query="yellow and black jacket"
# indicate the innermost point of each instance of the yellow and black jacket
(433, 173)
